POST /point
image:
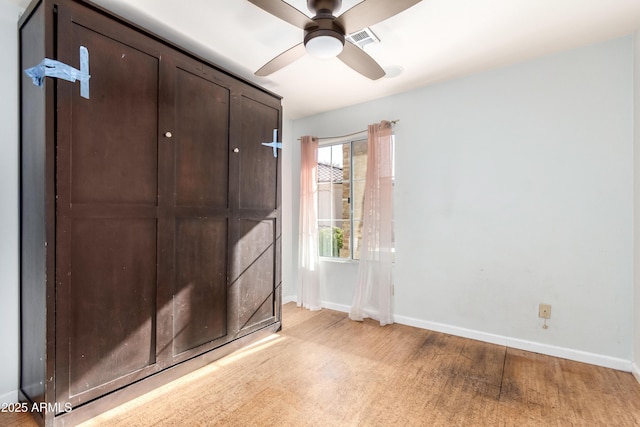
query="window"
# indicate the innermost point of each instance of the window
(342, 170)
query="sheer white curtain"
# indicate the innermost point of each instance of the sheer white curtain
(374, 285)
(308, 278)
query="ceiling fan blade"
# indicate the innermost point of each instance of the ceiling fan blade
(282, 60)
(371, 12)
(360, 61)
(284, 11)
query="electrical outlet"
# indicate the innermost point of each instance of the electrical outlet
(544, 312)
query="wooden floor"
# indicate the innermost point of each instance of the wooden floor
(325, 370)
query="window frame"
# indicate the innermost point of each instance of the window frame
(350, 142)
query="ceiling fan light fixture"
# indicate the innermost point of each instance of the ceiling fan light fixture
(324, 47)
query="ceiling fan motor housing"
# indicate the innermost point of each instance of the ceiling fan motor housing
(324, 27)
(325, 6)
(324, 23)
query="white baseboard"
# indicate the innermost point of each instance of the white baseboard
(10, 397)
(635, 370)
(337, 307)
(571, 354)
(290, 298)
(534, 347)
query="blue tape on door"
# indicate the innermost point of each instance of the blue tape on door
(56, 69)
(275, 144)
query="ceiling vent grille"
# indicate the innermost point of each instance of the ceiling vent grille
(363, 38)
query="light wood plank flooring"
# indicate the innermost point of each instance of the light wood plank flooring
(325, 370)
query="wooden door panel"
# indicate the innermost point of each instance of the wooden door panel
(107, 216)
(253, 272)
(112, 300)
(258, 167)
(200, 297)
(201, 141)
(114, 133)
(198, 174)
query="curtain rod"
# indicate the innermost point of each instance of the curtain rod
(393, 122)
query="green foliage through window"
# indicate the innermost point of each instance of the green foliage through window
(331, 241)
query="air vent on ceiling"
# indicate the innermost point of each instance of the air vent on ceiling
(363, 38)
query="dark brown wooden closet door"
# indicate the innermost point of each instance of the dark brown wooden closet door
(257, 167)
(198, 174)
(253, 274)
(106, 232)
(254, 277)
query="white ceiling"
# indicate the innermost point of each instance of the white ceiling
(433, 41)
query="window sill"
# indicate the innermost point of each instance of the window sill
(338, 260)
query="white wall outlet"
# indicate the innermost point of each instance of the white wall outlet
(544, 311)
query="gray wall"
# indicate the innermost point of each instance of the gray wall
(514, 187)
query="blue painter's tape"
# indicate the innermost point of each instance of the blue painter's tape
(56, 69)
(274, 143)
(84, 72)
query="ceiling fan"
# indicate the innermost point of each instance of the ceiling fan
(324, 34)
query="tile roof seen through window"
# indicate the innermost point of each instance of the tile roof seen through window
(326, 172)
